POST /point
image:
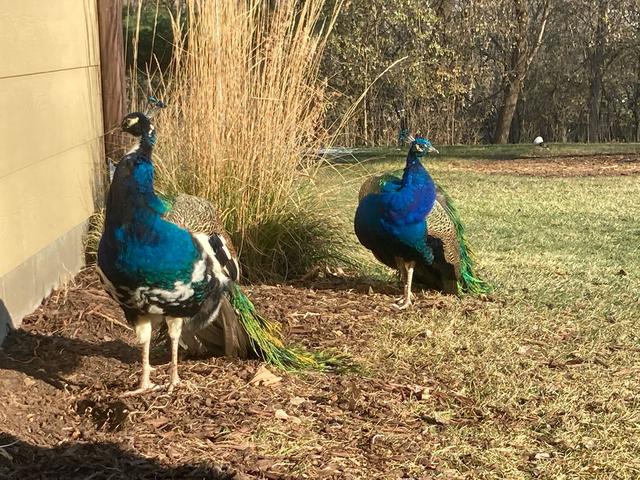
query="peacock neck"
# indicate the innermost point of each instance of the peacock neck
(147, 141)
(414, 172)
(132, 201)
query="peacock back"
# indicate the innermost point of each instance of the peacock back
(225, 336)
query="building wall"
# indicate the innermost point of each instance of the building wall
(50, 145)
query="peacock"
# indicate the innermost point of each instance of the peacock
(410, 223)
(161, 272)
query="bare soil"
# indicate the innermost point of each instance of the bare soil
(565, 166)
(62, 372)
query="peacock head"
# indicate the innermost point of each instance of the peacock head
(421, 146)
(137, 124)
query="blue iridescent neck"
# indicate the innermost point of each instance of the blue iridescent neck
(414, 172)
(132, 198)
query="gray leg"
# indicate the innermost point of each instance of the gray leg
(406, 299)
(403, 278)
(402, 269)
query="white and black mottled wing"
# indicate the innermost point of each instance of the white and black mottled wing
(199, 216)
(224, 256)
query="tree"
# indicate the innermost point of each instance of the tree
(521, 54)
(489, 70)
(369, 37)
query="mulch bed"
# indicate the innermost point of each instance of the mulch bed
(576, 166)
(61, 417)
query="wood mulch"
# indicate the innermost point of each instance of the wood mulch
(61, 417)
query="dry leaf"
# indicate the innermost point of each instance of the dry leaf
(265, 464)
(264, 377)
(296, 401)
(282, 415)
(158, 422)
(524, 350)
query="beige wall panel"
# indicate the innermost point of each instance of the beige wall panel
(44, 115)
(50, 145)
(41, 202)
(23, 288)
(43, 35)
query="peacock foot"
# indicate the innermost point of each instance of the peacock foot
(404, 303)
(175, 381)
(143, 389)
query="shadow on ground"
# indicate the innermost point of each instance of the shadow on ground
(50, 358)
(20, 460)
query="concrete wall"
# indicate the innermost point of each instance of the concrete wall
(50, 145)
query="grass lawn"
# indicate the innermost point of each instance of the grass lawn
(503, 152)
(541, 380)
(544, 376)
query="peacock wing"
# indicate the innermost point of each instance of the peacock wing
(198, 216)
(454, 262)
(224, 336)
(441, 231)
(378, 183)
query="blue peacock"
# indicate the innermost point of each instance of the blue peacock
(160, 272)
(410, 223)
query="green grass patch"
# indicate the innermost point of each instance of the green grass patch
(541, 380)
(497, 152)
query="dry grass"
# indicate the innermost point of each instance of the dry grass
(244, 108)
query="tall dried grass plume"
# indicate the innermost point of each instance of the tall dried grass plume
(245, 110)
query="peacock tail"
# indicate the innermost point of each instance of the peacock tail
(265, 337)
(468, 281)
(262, 336)
(453, 269)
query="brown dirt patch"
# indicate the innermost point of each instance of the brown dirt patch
(578, 166)
(62, 372)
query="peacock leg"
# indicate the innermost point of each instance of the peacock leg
(144, 326)
(403, 277)
(174, 326)
(406, 299)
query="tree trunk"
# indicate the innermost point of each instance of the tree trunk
(112, 74)
(515, 76)
(597, 62)
(505, 117)
(521, 58)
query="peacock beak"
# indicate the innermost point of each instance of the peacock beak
(433, 149)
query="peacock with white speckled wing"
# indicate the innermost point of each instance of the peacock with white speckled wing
(169, 260)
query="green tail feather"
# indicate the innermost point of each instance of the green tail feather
(266, 340)
(469, 282)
